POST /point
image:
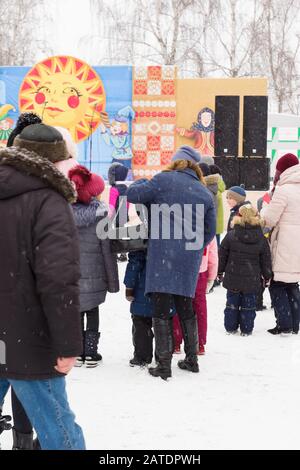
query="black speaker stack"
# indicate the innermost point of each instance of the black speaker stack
(253, 169)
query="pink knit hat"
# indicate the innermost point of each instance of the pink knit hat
(88, 185)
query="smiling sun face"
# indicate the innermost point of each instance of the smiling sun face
(65, 92)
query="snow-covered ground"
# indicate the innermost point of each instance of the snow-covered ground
(246, 395)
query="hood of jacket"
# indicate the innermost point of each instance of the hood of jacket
(249, 234)
(212, 182)
(290, 176)
(86, 215)
(22, 171)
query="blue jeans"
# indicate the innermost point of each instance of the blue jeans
(240, 312)
(46, 405)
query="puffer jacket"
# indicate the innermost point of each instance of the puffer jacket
(39, 269)
(98, 266)
(282, 215)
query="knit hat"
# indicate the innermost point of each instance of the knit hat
(117, 172)
(237, 193)
(88, 185)
(187, 153)
(205, 169)
(247, 215)
(44, 140)
(286, 161)
(24, 120)
(71, 146)
(215, 170)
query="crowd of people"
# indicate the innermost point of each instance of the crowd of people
(56, 271)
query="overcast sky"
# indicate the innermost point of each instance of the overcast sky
(71, 22)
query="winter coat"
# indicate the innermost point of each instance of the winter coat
(135, 278)
(172, 267)
(39, 270)
(212, 185)
(220, 206)
(98, 266)
(282, 214)
(210, 260)
(233, 212)
(245, 257)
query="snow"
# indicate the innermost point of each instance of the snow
(245, 397)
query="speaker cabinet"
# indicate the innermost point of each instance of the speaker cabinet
(255, 126)
(255, 173)
(227, 118)
(230, 170)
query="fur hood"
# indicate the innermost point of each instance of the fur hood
(31, 164)
(212, 183)
(86, 215)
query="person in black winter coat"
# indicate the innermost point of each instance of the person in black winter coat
(39, 277)
(98, 266)
(236, 198)
(245, 258)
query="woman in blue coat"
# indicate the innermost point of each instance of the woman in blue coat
(175, 250)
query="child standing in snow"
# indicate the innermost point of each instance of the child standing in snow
(236, 197)
(141, 309)
(117, 174)
(99, 272)
(207, 275)
(245, 258)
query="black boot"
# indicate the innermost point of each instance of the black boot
(22, 441)
(91, 356)
(191, 346)
(163, 334)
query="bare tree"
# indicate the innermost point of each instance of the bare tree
(165, 32)
(281, 50)
(21, 31)
(233, 39)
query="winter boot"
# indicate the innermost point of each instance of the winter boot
(191, 345)
(275, 331)
(22, 441)
(4, 422)
(135, 361)
(163, 334)
(91, 356)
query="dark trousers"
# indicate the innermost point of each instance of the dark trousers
(286, 302)
(165, 303)
(260, 297)
(92, 320)
(240, 312)
(142, 338)
(21, 421)
(218, 237)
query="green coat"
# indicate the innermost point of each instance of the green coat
(220, 208)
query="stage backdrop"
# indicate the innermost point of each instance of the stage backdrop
(134, 115)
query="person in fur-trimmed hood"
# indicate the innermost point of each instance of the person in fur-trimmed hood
(99, 271)
(39, 278)
(245, 258)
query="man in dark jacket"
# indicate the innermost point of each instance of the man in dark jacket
(39, 294)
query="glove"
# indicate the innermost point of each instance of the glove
(5, 423)
(129, 294)
(210, 284)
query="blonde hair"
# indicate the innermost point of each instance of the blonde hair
(123, 125)
(180, 165)
(248, 215)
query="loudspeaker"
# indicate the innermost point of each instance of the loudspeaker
(227, 118)
(255, 173)
(230, 170)
(255, 126)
